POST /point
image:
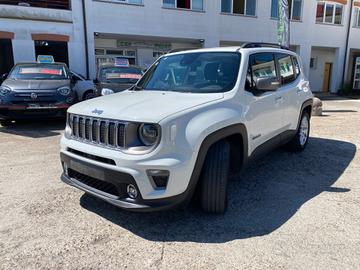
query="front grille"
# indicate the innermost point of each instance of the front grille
(94, 183)
(98, 131)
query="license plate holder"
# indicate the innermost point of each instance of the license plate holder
(87, 170)
(36, 106)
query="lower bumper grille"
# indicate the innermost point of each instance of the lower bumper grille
(94, 183)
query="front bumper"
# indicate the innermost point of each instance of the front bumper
(110, 186)
(18, 112)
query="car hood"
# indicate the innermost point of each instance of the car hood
(35, 84)
(142, 106)
(116, 87)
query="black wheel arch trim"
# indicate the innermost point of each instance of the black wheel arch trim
(237, 129)
(307, 103)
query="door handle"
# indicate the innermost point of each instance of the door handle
(278, 99)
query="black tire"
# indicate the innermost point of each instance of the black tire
(5, 123)
(297, 144)
(214, 179)
(88, 95)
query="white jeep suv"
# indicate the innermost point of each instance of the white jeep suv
(193, 119)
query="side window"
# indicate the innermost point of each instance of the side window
(261, 65)
(286, 68)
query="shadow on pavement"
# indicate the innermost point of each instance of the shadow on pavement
(265, 197)
(35, 128)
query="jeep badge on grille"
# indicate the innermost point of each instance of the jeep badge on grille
(98, 112)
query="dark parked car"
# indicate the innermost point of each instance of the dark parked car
(112, 79)
(36, 90)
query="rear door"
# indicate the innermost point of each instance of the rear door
(265, 111)
(290, 88)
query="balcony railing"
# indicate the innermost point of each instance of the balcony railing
(56, 4)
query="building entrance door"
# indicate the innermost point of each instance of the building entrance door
(58, 49)
(356, 84)
(6, 56)
(326, 81)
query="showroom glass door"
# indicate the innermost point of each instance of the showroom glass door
(356, 84)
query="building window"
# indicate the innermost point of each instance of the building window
(242, 7)
(357, 17)
(134, 2)
(329, 13)
(295, 7)
(186, 4)
(53, 4)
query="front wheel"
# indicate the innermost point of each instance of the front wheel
(89, 95)
(300, 140)
(5, 123)
(214, 178)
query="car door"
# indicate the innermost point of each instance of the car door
(265, 108)
(291, 85)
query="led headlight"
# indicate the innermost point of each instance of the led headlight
(4, 90)
(149, 134)
(64, 91)
(68, 129)
(106, 91)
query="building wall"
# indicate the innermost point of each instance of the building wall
(25, 21)
(316, 75)
(217, 29)
(152, 22)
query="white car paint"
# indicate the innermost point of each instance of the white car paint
(186, 120)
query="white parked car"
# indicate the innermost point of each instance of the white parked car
(194, 118)
(85, 89)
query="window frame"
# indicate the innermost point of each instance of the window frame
(291, 13)
(239, 14)
(335, 6)
(191, 6)
(126, 2)
(356, 17)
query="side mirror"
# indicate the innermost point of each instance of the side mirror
(73, 80)
(267, 84)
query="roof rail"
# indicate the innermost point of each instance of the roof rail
(262, 45)
(181, 50)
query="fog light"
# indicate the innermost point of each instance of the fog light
(132, 191)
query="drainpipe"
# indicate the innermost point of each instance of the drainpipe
(86, 39)
(347, 41)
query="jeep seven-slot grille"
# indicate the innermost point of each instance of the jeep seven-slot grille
(98, 131)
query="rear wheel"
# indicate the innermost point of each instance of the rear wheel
(300, 140)
(214, 179)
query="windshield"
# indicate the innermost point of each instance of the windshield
(39, 72)
(123, 75)
(203, 72)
